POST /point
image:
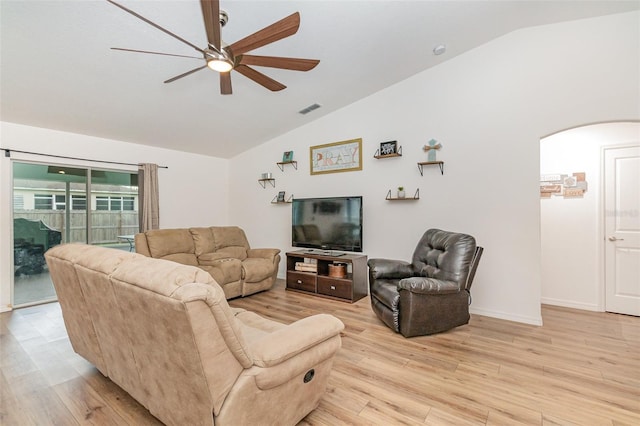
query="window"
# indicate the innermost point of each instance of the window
(102, 203)
(78, 202)
(127, 203)
(60, 202)
(43, 202)
(49, 202)
(18, 202)
(116, 203)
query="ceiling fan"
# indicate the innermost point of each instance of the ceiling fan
(225, 58)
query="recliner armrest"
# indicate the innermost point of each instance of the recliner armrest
(389, 268)
(299, 336)
(424, 285)
(266, 253)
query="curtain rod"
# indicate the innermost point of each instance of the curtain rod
(7, 153)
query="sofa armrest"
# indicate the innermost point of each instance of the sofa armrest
(141, 245)
(424, 285)
(289, 341)
(266, 253)
(389, 268)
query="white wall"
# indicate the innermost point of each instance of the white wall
(193, 190)
(572, 229)
(489, 108)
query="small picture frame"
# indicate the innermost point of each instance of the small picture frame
(287, 157)
(280, 198)
(389, 148)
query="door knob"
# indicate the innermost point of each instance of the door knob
(615, 239)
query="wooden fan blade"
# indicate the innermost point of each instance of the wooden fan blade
(185, 74)
(274, 32)
(155, 53)
(211, 14)
(295, 64)
(260, 78)
(225, 83)
(153, 24)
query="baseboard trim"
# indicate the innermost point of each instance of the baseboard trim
(570, 304)
(507, 316)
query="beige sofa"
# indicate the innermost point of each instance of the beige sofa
(165, 334)
(222, 251)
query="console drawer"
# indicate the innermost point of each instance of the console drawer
(301, 281)
(335, 288)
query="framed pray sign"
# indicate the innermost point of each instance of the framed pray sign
(344, 156)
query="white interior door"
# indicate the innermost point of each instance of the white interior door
(622, 230)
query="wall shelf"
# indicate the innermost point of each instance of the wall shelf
(416, 196)
(396, 154)
(281, 164)
(431, 163)
(263, 182)
(287, 201)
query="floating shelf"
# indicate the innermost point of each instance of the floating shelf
(416, 196)
(263, 182)
(287, 201)
(431, 163)
(397, 154)
(281, 164)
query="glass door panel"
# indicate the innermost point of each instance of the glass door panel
(51, 206)
(43, 216)
(114, 208)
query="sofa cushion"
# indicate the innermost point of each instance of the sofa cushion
(203, 240)
(184, 258)
(160, 276)
(230, 240)
(164, 242)
(231, 269)
(235, 252)
(256, 269)
(212, 259)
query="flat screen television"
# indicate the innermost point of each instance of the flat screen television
(333, 223)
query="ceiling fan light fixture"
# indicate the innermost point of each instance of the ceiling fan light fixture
(218, 61)
(220, 65)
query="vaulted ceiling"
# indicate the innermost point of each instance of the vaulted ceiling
(57, 68)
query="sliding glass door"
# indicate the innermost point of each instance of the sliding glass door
(51, 206)
(114, 208)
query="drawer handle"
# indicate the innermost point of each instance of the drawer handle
(299, 281)
(333, 287)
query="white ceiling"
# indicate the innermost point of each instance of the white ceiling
(57, 69)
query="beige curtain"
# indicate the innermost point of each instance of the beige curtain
(148, 195)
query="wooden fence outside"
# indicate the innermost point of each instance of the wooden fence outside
(105, 225)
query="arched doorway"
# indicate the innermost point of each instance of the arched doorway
(574, 250)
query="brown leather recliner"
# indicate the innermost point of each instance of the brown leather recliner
(432, 293)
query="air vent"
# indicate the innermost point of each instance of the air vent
(310, 108)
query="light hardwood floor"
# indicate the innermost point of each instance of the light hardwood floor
(580, 368)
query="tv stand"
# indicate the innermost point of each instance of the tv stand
(350, 288)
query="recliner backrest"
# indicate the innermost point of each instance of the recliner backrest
(230, 240)
(474, 266)
(444, 255)
(172, 244)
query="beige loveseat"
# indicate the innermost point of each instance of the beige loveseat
(165, 334)
(222, 251)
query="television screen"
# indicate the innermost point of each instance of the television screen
(328, 223)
